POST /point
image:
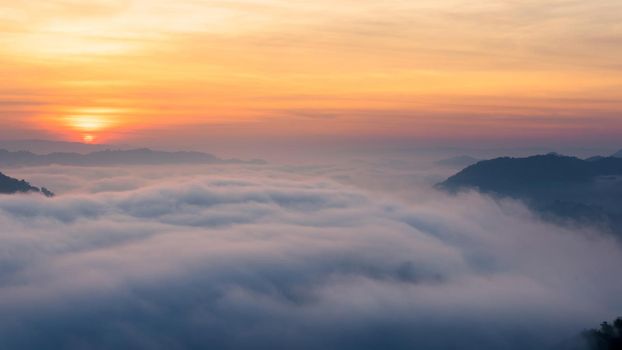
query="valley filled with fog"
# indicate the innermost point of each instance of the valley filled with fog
(359, 254)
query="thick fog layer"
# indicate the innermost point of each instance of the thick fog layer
(281, 258)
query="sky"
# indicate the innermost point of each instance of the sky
(215, 73)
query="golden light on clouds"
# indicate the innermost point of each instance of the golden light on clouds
(339, 66)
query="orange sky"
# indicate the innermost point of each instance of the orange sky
(103, 70)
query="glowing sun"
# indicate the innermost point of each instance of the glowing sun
(88, 122)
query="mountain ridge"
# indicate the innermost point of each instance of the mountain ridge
(139, 156)
(496, 173)
(561, 188)
(9, 185)
(49, 146)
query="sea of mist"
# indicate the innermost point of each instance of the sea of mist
(356, 255)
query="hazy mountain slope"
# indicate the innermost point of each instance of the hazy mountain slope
(558, 187)
(507, 175)
(9, 185)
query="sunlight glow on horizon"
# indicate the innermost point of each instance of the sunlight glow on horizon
(87, 123)
(88, 138)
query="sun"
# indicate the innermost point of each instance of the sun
(88, 122)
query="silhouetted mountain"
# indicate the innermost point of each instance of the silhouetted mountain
(9, 185)
(459, 161)
(508, 175)
(559, 187)
(118, 157)
(618, 154)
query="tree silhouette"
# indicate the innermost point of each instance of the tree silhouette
(608, 337)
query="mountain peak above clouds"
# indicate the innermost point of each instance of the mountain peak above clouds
(560, 187)
(9, 185)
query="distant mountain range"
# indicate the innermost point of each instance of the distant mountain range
(559, 187)
(9, 185)
(618, 154)
(142, 156)
(47, 146)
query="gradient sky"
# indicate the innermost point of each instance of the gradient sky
(426, 70)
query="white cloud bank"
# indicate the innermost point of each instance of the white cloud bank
(261, 260)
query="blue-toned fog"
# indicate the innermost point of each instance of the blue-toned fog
(362, 255)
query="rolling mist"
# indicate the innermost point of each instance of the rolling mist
(275, 256)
